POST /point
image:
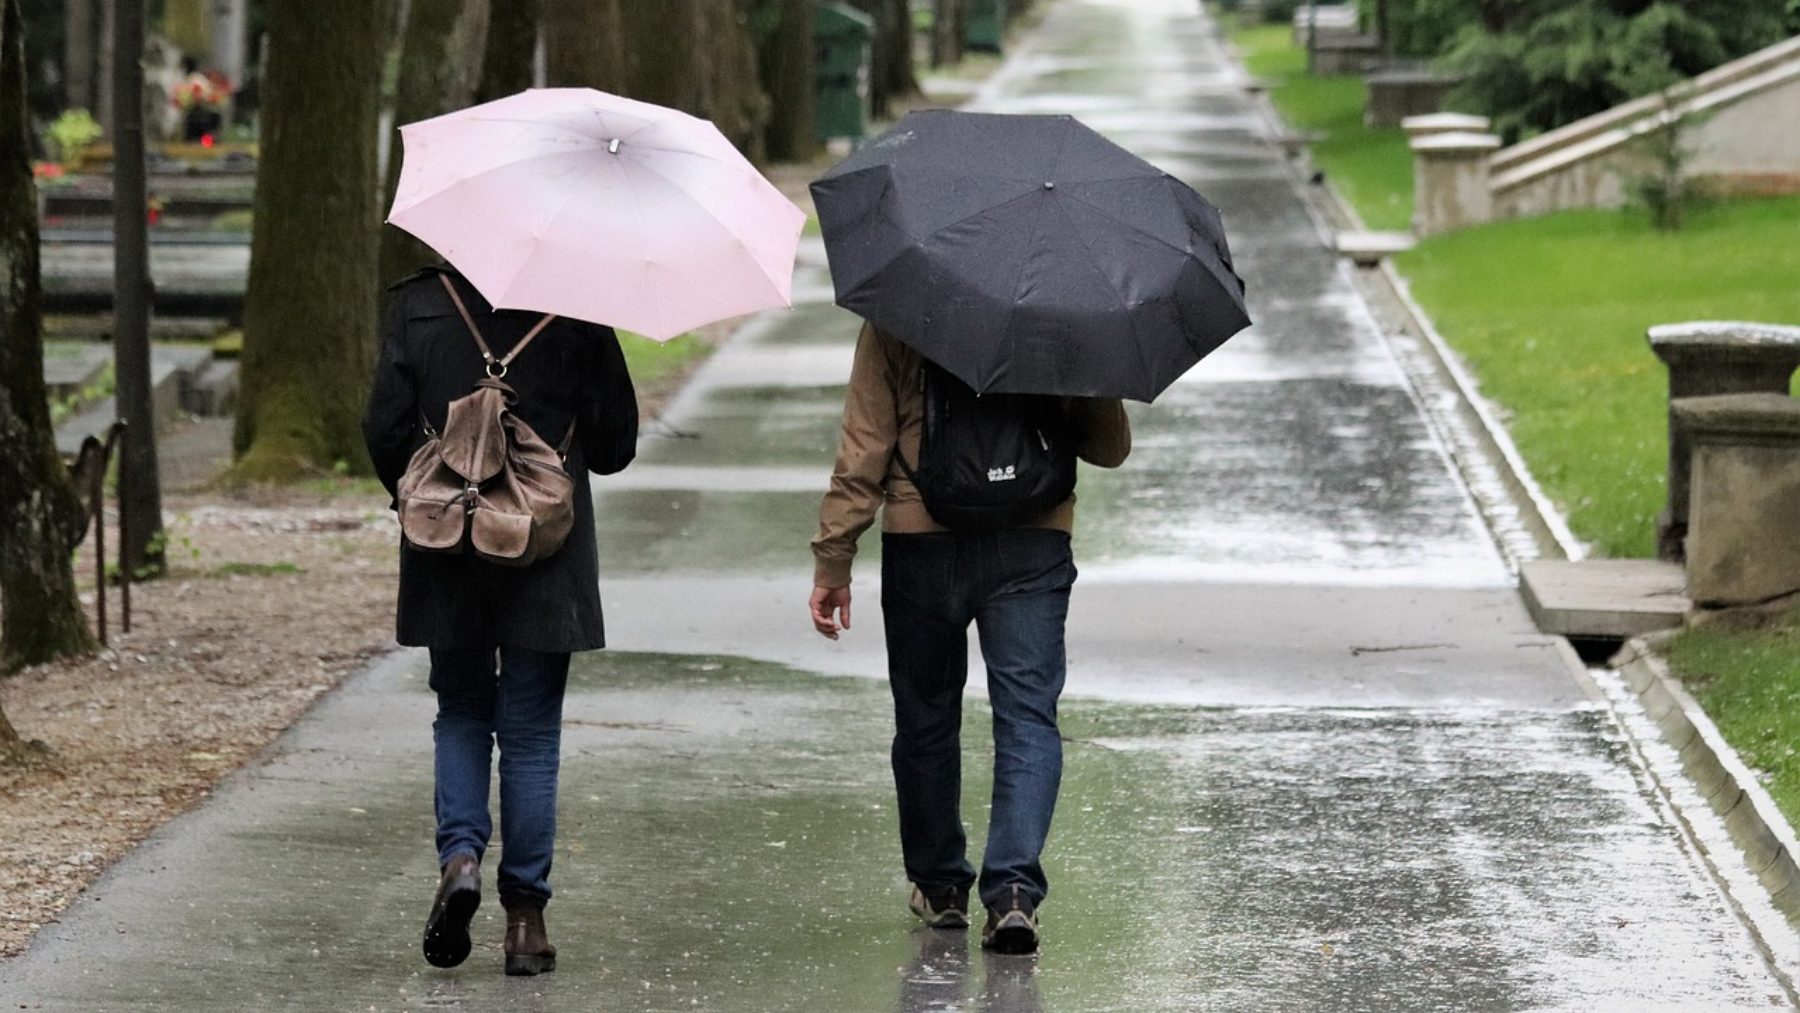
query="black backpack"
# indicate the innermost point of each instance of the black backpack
(990, 461)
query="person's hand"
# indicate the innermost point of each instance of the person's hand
(825, 601)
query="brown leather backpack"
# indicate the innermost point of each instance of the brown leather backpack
(488, 482)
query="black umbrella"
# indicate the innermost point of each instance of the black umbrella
(1028, 254)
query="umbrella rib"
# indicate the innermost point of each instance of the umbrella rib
(1012, 338)
(1140, 230)
(537, 239)
(1094, 263)
(459, 181)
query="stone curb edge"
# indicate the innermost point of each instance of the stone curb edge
(1719, 775)
(1751, 818)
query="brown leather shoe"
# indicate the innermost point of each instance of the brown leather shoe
(528, 949)
(447, 927)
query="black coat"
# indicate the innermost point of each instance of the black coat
(574, 371)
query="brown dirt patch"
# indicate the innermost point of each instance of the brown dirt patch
(266, 607)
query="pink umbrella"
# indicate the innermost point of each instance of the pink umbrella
(587, 205)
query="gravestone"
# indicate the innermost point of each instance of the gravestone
(1399, 92)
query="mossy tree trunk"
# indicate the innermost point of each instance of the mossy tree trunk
(584, 45)
(440, 67)
(506, 67)
(785, 62)
(40, 515)
(310, 310)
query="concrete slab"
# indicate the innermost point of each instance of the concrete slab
(1604, 597)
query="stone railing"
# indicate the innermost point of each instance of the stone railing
(1736, 126)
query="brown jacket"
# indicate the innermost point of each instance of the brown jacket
(885, 407)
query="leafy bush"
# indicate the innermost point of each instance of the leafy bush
(74, 130)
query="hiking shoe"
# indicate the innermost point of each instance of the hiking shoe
(446, 941)
(1012, 925)
(942, 911)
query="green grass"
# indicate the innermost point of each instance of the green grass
(1749, 684)
(1551, 314)
(1372, 168)
(653, 362)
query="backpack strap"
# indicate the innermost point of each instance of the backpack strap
(495, 367)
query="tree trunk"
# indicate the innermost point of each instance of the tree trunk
(946, 33)
(40, 515)
(79, 53)
(138, 471)
(786, 62)
(512, 35)
(103, 68)
(696, 56)
(440, 66)
(311, 306)
(890, 54)
(583, 44)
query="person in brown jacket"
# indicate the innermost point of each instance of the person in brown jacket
(1013, 585)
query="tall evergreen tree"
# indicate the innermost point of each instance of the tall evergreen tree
(311, 307)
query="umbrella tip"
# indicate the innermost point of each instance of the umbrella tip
(613, 147)
(1049, 185)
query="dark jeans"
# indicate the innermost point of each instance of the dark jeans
(1014, 586)
(518, 705)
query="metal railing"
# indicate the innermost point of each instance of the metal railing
(92, 462)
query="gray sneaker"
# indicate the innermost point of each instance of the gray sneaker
(941, 911)
(1012, 925)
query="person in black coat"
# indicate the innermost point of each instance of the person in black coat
(500, 637)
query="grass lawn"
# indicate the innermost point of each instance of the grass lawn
(1551, 313)
(651, 362)
(1372, 168)
(1749, 684)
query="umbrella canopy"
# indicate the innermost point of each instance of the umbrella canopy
(1028, 254)
(583, 204)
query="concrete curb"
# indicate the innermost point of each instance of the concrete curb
(1481, 447)
(1725, 781)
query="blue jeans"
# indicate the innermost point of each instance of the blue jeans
(518, 705)
(1014, 586)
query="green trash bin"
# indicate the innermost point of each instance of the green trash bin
(986, 28)
(842, 37)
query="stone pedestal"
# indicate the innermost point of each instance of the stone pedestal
(1325, 19)
(1710, 357)
(1344, 54)
(1396, 94)
(1450, 181)
(1743, 545)
(1444, 123)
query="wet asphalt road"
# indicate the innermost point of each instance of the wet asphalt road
(1318, 759)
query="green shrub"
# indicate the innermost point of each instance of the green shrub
(74, 130)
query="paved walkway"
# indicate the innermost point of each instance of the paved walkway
(1318, 758)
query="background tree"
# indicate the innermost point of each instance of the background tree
(142, 478)
(946, 32)
(584, 44)
(440, 65)
(891, 74)
(311, 304)
(40, 515)
(697, 56)
(80, 52)
(506, 68)
(786, 63)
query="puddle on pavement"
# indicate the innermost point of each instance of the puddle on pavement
(727, 843)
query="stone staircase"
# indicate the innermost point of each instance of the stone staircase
(1741, 125)
(184, 378)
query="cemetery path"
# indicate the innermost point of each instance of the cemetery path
(1318, 758)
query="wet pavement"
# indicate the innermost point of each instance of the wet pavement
(1318, 759)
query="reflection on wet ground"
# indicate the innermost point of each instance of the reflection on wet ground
(727, 844)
